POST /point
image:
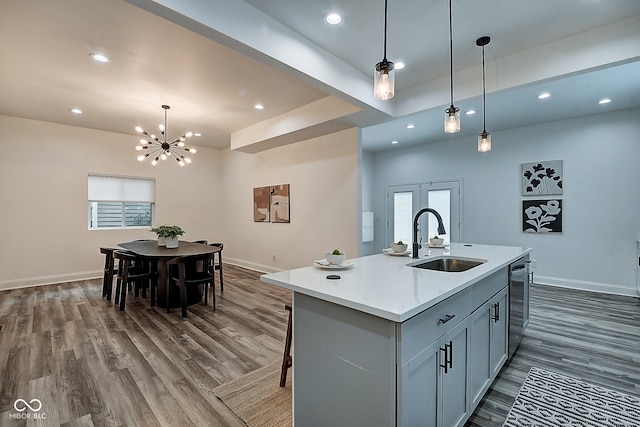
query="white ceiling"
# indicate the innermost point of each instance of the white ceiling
(212, 60)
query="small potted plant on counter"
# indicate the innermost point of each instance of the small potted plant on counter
(168, 235)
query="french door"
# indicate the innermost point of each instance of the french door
(404, 202)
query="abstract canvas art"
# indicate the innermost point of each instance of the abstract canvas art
(261, 202)
(542, 178)
(542, 216)
(280, 203)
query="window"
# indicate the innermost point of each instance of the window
(120, 202)
(404, 201)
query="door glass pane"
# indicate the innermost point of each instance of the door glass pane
(440, 200)
(403, 216)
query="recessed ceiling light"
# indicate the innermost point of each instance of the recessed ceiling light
(470, 112)
(394, 142)
(259, 107)
(99, 57)
(398, 65)
(544, 95)
(333, 18)
(604, 101)
(411, 126)
(75, 110)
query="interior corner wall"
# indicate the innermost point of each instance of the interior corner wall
(324, 210)
(44, 208)
(596, 249)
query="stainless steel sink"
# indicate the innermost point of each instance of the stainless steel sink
(449, 264)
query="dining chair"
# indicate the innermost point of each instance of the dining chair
(287, 360)
(202, 242)
(109, 272)
(132, 269)
(217, 265)
(183, 277)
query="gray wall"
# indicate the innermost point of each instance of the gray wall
(601, 200)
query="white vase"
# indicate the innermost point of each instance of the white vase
(172, 242)
(162, 241)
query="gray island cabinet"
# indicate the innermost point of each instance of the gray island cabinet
(388, 344)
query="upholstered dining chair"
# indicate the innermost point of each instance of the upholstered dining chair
(139, 274)
(182, 276)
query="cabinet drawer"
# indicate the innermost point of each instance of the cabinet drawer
(415, 334)
(489, 286)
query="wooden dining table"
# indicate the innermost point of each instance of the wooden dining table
(161, 254)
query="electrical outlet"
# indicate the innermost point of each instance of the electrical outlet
(273, 257)
(534, 263)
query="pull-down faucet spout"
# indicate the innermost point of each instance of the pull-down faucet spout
(441, 230)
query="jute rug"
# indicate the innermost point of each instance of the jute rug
(258, 399)
(550, 399)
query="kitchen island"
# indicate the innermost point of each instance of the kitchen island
(389, 344)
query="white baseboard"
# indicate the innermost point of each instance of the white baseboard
(607, 288)
(49, 280)
(261, 268)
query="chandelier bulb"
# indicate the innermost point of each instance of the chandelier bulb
(162, 147)
(188, 160)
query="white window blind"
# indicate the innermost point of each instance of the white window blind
(120, 202)
(121, 189)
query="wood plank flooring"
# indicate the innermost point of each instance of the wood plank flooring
(586, 335)
(92, 365)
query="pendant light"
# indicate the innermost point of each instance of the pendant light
(484, 139)
(384, 78)
(451, 114)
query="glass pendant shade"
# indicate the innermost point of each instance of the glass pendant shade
(484, 142)
(384, 80)
(452, 120)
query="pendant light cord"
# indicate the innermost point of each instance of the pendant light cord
(451, 51)
(484, 98)
(385, 31)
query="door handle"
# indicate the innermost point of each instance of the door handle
(448, 356)
(496, 312)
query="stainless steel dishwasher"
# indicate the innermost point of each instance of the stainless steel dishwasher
(518, 302)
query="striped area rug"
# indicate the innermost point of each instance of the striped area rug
(550, 399)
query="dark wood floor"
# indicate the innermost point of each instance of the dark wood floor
(90, 364)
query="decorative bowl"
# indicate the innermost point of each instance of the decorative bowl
(334, 259)
(436, 242)
(399, 248)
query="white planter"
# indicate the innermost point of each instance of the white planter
(162, 241)
(172, 242)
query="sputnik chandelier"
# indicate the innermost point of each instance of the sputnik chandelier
(162, 149)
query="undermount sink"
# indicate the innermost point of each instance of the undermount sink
(449, 264)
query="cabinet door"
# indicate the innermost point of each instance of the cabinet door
(479, 352)
(499, 331)
(454, 405)
(418, 388)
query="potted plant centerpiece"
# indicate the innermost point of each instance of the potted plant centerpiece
(168, 235)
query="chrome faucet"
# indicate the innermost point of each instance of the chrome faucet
(441, 230)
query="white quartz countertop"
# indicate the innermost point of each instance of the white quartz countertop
(385, 286)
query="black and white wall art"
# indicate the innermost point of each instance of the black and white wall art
(542, 216)
(542, 178)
